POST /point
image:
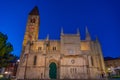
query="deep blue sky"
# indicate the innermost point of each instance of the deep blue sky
(101, 16)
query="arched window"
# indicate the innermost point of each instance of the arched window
(54, 48)
(32, 20)
(92, 63)
(39, 49)
(35, 60)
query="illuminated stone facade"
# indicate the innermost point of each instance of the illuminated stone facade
(74, 58)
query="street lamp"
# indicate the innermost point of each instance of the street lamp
(6, 72)
(18, 60)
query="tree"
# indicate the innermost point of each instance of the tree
(5, 49)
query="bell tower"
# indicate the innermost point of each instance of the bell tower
(32, 27)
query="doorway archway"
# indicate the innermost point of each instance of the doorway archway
(53, 70)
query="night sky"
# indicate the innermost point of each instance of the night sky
(101, 16)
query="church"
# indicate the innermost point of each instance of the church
(67, 58)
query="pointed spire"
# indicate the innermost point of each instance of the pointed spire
(62, 31)
(87, 30)
(34, 11)
(87, 34)
(97, 40)
(47, 38)
(78, 32)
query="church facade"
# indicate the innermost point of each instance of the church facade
(67, 58)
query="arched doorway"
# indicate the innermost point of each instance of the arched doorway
(52, 70)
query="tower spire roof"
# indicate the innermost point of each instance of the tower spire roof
(34, 11)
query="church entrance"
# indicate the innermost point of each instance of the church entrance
(52, 71)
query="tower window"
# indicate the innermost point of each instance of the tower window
(32, 20)
(39, 48)
(54, 48)
(35, 60)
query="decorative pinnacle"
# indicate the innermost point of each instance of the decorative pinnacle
(87, 34)
(62, 31)
(87, 30)
(47, 38)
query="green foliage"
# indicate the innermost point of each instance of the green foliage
(53, 71)
(6, 59)
(116, 76)
(4, 78)
(5, 49)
